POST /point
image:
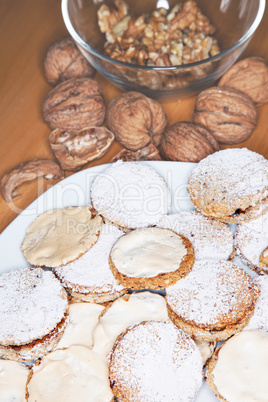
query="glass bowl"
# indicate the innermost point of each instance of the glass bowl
(235, 22)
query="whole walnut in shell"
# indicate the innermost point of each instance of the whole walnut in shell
(230, 115)
(75, 104)
(188, 142)
(136, 120)
(249, 76)
(64, 60)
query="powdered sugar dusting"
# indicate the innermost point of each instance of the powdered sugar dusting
(259, 320)
(211, 239)
(32, 303)
(252, 238)
(91, 272)
(213, 290)
(159, 362)
(131, 194)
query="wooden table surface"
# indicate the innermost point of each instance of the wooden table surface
(27, 28)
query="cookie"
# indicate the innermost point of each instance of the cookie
(126, 311)
(151, 258)
(214, 301)
(72, 374)
(259, 320)
(230, 185)
(89, 277)
(13, 379)
(131, 195)
(251, 241)
(33, 312)
(60, 236)
(155, 361)
(238, 369)
(210, 238)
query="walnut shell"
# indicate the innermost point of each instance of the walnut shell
(249, 76)
(74, 149)
(136, 120)
(64, 61)
(230, 115)
(148, 153)
(188, 142)
(74, 104)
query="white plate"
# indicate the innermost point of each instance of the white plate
(74, 190)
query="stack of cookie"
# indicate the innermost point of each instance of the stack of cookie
(149, 292)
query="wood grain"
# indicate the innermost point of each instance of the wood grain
(27, 28)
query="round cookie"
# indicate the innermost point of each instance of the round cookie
(59, 236)
(126, 311)
(214, 301)
(151, 257)
(210, 238)
(230, 185)
(72, 374)
(155, 361)
(13, 379)
(131, 195)
(259, 320)
(238, 370)
(89, 277)
(251, 241)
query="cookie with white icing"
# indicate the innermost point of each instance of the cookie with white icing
(210, 238)
(151, 257)
(155, 361)
(130, 195)
(33, 313)
(73, 374)
(238, 369)
(13, 379)
(214, 301)
(126, 311)
(251, 241)
(230, 185)
(59, 236)
(89, 277)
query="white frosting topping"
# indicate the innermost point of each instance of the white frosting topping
(259, 320)
(32, 304)
(252, 238)
(83, 318)
(13, 378)
(60, 236)
(210, 238)
(138, 307)
(91, 272)
(159, 362)
(131, 194)
(241, 370)
(68, 375)
(148, 252)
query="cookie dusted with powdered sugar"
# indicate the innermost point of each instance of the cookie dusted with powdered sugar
(33, 313)
(61, 235)
(155, 361)
(131, 195)
(230, 185)
(210, 238)
(89, 277)
(251, 241)
(151, 257)
(238, 369)
(259, 320)
(214, 301)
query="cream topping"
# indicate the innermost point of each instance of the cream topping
(241, 370)
(148, 252)
(83, 318)
(67, 375)
(125, 312)
(13, 378)
(59, 236)
(131, 194)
